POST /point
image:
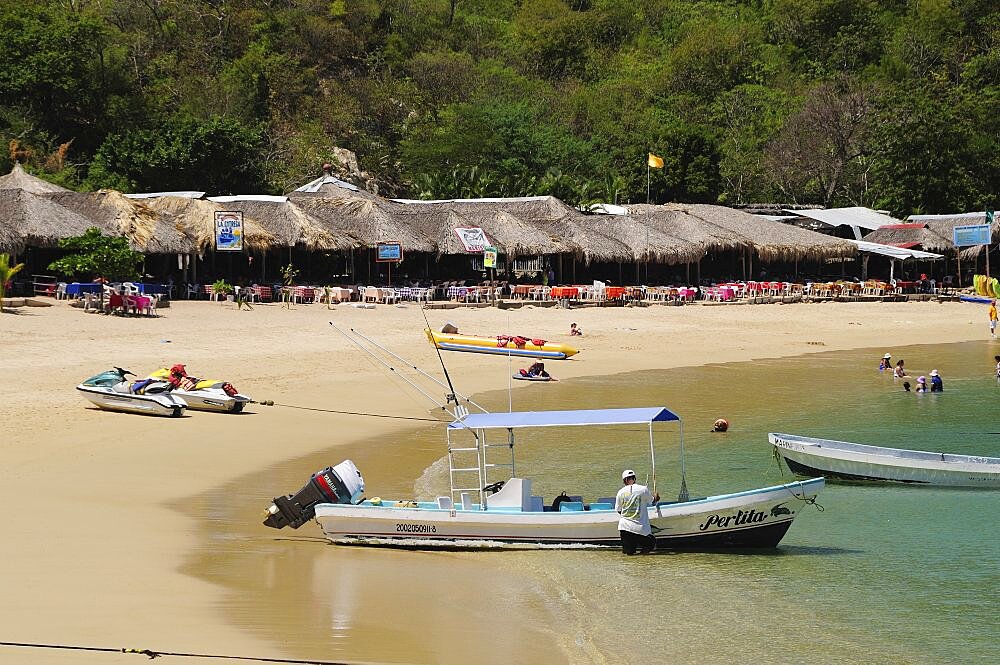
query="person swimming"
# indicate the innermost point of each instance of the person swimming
(886, 363)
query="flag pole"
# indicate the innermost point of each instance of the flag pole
(647, 180)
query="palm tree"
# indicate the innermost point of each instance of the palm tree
(6, 273)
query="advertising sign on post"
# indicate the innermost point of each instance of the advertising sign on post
(975, 234)
(490, 257)
(228, 231)
(473, 238)
(387, 252)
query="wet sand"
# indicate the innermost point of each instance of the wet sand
(117, 523)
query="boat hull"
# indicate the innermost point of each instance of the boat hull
(493, 346)
(152, 405)
(755, 519)
(212, 400)
(850, 462)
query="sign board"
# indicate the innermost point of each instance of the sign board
(976, 234)
(228, 231)
(474, 239)
(489, 257)
(386, 252)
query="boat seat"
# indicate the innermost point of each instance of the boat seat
(570, 506)
(607, 499)
(536, 504)
(599, 505)
(445, 503)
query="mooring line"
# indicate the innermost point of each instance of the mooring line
(180, 654)
(350, 413)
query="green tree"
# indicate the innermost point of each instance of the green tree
(7, 272)
(97, 254)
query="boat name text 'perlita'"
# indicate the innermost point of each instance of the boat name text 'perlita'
(741, 517)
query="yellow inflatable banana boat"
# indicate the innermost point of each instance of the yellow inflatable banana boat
(504, 345)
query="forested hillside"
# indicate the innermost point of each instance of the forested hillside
(887, 103)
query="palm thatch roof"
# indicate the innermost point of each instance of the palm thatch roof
(647, 241)
(510, 234)
(197, 218)
(772, 241)
(589, 242)
(28, 219)
(683, 225)
(18, 178)
(146, 230)
(909, 236)
(290, 224)
(368, 221)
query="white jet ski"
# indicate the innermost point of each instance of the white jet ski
(203, 394)
(112, 391)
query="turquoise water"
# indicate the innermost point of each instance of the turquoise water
(882, 574)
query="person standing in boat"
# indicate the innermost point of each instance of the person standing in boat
(632, 503)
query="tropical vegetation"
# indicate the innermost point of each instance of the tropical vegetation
(95, 254)
(885, 103)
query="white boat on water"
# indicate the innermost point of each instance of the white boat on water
(842, 460)
(112, 391)
(480, 513)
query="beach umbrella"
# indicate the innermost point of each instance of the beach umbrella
(18, 178)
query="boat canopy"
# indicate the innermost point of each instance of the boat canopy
(643, 416)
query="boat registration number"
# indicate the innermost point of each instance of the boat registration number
(416, 528)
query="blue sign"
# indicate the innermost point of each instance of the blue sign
(976, 234)
(228, 231)
(388, 251)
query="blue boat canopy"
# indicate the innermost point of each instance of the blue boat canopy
(638, 416)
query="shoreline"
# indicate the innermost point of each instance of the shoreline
(123, 472)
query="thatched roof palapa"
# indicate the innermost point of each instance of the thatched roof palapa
(289, 223)
(909, 236)
(197, 218)
(30, 219)
(18, 178)
(773, 241)
(369, 221)
(649, 242)
(679, 223)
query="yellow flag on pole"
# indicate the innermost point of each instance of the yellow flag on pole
(654, 161)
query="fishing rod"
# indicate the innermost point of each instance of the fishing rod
(451, 396)
(415, 368)
(393, 369)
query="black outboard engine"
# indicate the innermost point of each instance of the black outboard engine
(335, 484)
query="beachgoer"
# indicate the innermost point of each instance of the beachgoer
(906, 386)
(937, 385)
(886, 363)
(993, 319)
(632, 503)
(997, 358)
(921, 384)
(899, 372)
(573, 330)
(538, 369)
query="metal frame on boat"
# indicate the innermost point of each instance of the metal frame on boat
(856, 462)
(483, 514)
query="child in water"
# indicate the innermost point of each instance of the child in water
(906, 386)
(921, 384)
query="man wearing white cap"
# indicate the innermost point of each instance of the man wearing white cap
(632, 503)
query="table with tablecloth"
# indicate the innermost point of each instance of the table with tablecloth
(564, 292)
(614, 292)
(522, 290)
(77, 289)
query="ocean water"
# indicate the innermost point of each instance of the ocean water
(875, 574)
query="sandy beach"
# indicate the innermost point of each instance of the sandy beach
(97, 535)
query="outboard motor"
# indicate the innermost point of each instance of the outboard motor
(335, 484)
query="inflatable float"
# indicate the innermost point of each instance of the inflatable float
(976, 299)
(504, 345)
(528, 377)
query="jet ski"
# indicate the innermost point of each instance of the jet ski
(112, 391)
(202, 394)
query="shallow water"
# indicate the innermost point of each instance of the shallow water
(881, 574)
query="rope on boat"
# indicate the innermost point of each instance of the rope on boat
(180, 654)
(347, 413)
(803, 497)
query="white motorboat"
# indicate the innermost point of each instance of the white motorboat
(842, 460)
(206, 394)
(112, 391)
(506, 514)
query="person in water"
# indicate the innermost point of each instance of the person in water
(632, 503)
(574, 331)
(899, 372)
(906, 386)
(937, 385)
(997, 358)
(886, 363)
(921, 384)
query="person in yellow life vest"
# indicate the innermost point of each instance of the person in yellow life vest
(993, 319)
(632, 503)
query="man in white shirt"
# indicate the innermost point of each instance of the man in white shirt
(632, 503)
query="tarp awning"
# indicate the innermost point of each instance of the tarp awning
(637, 416)
(865, 218)
(894, 252)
